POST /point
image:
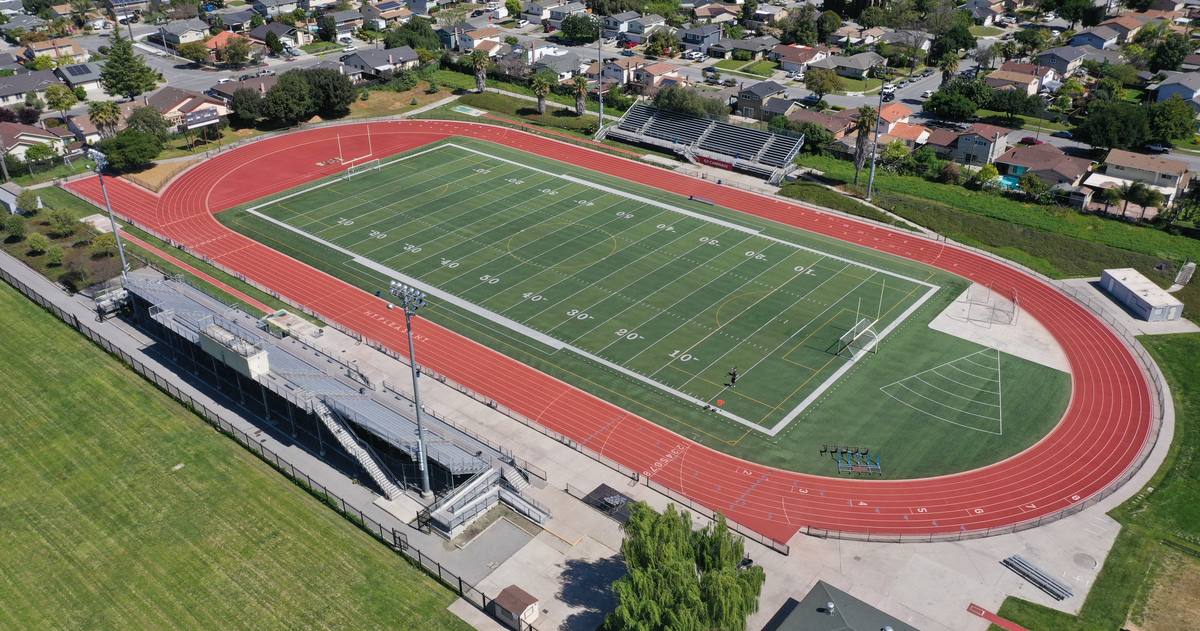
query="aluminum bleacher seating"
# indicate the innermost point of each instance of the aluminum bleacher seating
(782, 151)
(676, 127)
(636, 118)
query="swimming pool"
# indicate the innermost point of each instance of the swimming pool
(1009, 182)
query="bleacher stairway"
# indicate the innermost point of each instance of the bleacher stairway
(352, 446)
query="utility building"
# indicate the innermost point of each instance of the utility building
(1141, 295)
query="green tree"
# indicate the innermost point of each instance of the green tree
(987, 175)
(581, 27)
(580, 87)
(1070, 10)
(196, 52)
(1170, 53)
(415, 33)
(38, 243)
(541, 85)
(816, 137)
(822, 81)
(1113, 125)
(679, 579)
(872, 17)
(61, 98)
(274, 44)
(16, 227)
(1110, 89)
(39, 151)
(106, 242)
(894, 153)
(1172, 119)
(827, 24)
(749, 8)
(55, 254)
(1033, 186)
(130, 148)
(957, 39)
(327, 29)
(1033, 39)
(126, 73)
(149, 120)
(479, 61)
(514, 7)
(288, 101)
(62, 222)
(1110, 196)
(680, 99)
(105, 115)
(28, 202)
(978, 91)
(330, 91)
(661, 41)
(800, 26)
(41, 62)
(1014, 102)
(256, 21)
(867, 117)
(950, 106)
(236, 51)
(948, 65)
(247, 105)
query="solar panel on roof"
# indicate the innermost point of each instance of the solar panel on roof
(77, 71)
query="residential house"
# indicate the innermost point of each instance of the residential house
(86, 76)
(653, 75)
(19, 138)
(258, 84)
(856, 66)
(1096, 37)
(27, 23)
(1045, 161)
(1191, 63)
(353, 73)
(472, 39)
(1185, 85)
(317, 5)
(536, 49)
(538, 12)
(717, 12)
(852, 35)
(751, 97)
(1125, 26)
(85, 130)
(217, 43)
(289, 35)
(981, 144)
(455, 37)
(642, 28)
(346, 21)
(61, 11)
(236, 21)
(492, 48)
(176, 103)
(700, 37)
(839, 127)
(56, 49)
(779, 106)
(389, 12)
(1064, 60)
(559, 12)
(920, 40)
(987, 15)
(1043, 73)
(16, 88)
(181, 32)
(758, 47)
(9, 61)
(943, 142)
(796, 58)
(910, 135)
(891, 115)
(767, 15)
(565, 66)
(615, 25)
(272, 8)
(1101, 55)
(1027, 83)
(1164, 175)
(618, 72)
(121, 8)
(373, 62)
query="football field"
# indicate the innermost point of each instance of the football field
(710, 311)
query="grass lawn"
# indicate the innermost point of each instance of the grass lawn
(985, 31)
(78, 166)
(106, 531)
(179, 147)
(1138, 562)
(650, 307)
(860, 85)
(320, 47)
(561, 118)
(762, 68)
(731, 64)
(1027, 122)
(1134, 95)
(460, 81)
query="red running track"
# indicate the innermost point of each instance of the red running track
(1106, 424)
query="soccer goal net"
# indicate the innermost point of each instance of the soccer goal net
(858, 340)
(355, 169)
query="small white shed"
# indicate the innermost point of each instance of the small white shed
(1141, 295)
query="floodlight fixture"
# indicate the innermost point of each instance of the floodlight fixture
(412, 299)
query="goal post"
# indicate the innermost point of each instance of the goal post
(356, 169)
(862, 338)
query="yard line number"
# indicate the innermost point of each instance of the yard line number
(684, 357)
(625, 333)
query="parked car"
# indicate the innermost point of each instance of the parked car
(928, 72)
(889, 97)
(1156, 147)
(1055, 33)
(225, 79)
(350, 49)
(1062, 134)
(628, 53)
(1030, 140)
(522, 23)
(926, 94)
(810, 100)
(888, 88)
(796, 76)
(903, 83)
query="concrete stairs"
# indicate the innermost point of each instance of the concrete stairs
(352, 446)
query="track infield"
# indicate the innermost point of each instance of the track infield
(661, 297)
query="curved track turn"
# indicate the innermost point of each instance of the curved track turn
(1105, 426)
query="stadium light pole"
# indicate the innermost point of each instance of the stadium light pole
(412, 299)
(101, 161)
(875, 144)
(600, 66)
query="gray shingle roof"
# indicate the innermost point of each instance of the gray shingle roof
(764, 89)
(27, 82)
(179, 27)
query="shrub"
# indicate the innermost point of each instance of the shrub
(55, 254)
(16, 227)
(38, 242)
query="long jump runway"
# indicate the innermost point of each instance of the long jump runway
(1104, 428)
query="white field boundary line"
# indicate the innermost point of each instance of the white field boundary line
(558, 345)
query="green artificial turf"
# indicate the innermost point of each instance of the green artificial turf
(122, 510)
(651, 301)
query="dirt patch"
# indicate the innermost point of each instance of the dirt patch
(157, 176)
(244, 132)
(1174, 601)
(384, 103)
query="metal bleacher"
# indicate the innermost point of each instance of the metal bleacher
(758, 151)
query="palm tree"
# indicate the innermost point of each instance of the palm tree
(580, 87)
(79, 10)
(479, 61)
(867, 116)
(1111, 196)
(105, 115)
(1150, 197)
(542, 82)
(948, 65)
(1008, 50)
(1131, 192)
